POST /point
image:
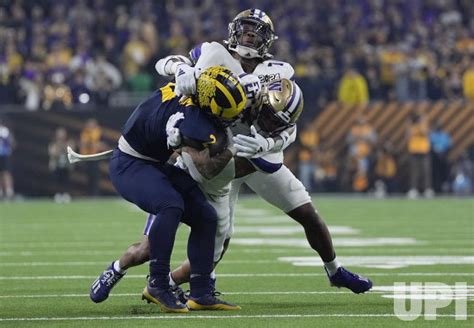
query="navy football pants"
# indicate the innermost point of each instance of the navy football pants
(173, 196)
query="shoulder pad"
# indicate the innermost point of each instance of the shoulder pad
(196, 52)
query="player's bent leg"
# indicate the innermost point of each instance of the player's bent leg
(181, 274)
(284, 191)
(316, 230)
(318, 236)
(136, 254)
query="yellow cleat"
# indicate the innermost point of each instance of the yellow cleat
(211, 303)
(165, 299)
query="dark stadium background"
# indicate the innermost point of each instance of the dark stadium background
(410, 55)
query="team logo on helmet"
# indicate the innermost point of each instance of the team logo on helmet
(282, 106)
(257, 22)
(220, 92)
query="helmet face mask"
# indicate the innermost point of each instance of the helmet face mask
(254, 22)
(270, 123)
(282, 105)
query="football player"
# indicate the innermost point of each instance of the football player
(140, 173)
(251, 35)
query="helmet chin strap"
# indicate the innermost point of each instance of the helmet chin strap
(246, 52)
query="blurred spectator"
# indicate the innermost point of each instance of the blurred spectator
(59, 59)
(385, 171)
(419, 151)
(7, 144)
(440, 144)
(393, 70)
(59, 164)
(31, 84)
(373, 81)
(353, 89)
(326, 170)
(81, 94)
(141, 81)
(468, 82)
(102, 78)
(309, 141)
(91, 143)
(463, 175)
(136, 55)
(417, 65)
(56, 94)
(361, 140)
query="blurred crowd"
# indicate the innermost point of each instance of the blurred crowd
(76, 52)
(368, 164)
(90, 142)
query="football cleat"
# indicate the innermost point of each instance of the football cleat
(210, 302)
(102, 286)
(180, 294)
(345, 278)
(165, 299)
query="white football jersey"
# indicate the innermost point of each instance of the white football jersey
(215, 54)
(271, 70)
(210, 54)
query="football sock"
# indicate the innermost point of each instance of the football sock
(201, 253)
(172, 282)
(118, 268)
(332, 266)
(161, 237)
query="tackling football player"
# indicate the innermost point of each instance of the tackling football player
(251, 34)
(140, 173)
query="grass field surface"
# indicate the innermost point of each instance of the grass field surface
(51, 253)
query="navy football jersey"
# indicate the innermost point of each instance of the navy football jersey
(145, 130)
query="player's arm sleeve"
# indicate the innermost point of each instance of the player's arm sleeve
(167, 66)
(214, 54)
(265, 166)
(284, 139)
(199, 135)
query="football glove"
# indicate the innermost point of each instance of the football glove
(167, 66)
(185, 80)
(173, 136)
(252, 146)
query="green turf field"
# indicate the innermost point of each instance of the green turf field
(51, 253)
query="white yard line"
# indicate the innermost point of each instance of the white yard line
(212, 317)
(375, 291)
(383, 262)
(102, 263)
(223, 292)
(254, 275)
